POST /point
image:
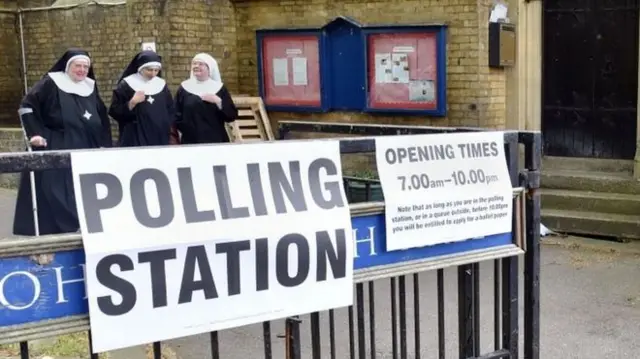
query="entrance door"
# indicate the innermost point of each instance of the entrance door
(590, 78)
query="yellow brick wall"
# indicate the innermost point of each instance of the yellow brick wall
(475, 93)
(112, 35)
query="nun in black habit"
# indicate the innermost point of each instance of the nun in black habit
(203, 104)
(142, 103)
(62, 111)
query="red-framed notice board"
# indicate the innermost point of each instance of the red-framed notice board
(406, 71)
(290, 69)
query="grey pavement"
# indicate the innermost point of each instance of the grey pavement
(590, 308)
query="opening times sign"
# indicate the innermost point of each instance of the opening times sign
(186, 240)
(442, 188)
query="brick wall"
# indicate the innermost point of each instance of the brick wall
(475, 93)
(112, 35)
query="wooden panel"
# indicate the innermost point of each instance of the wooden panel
(252, 123)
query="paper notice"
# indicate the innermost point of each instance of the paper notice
(383, 68)
(422, 91)
(400, 68)
(280, 72)
(299, 71)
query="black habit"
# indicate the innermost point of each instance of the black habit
(68, 115)
(149, 123)
(200, 121)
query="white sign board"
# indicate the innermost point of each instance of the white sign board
(442, 188)
(187, 240)
(148, 46)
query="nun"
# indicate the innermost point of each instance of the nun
(63, 111)
(203, 104)
(142, 104)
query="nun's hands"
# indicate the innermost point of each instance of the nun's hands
(138, 97)
(38, 141)
(211, 98)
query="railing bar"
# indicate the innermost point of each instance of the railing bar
(372, 321)
(92, 355)
(403, 316)
(465, 311)
(498, 354)
(332, 333)
(215, 346)
(496, 304)
(476, 308)
(394, 320)
(157, 350)
(441, 323)
(352, 340)
(360, 321)
(416, 315)
(24, 350)
(266, 337)
(315, 335)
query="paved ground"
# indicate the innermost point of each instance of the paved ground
(590, 307)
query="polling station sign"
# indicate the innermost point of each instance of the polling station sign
(443, 188)
(186, 240)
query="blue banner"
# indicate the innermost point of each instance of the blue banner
(30, 292)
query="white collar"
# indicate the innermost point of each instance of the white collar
(150, 87)
(82, 88)
(200, 88)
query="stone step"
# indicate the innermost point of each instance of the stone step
(592, 223)
(586, 201)
(590, 181)
(551, 163)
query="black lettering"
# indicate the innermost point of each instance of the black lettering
(232, 250)
(257, 192)
(227, 210)
(191, 212)
(327, 253)
(123, 287)
(197, 255)
(282, 260)
(139, 198)
(494, 149)
(280, 185)
(402, 154)
(476, 150)
(156, 260)
(94, 205)
(390, 156)
(262, 264)
(335, 199)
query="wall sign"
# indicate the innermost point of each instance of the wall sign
(209, 242)
(443, 188)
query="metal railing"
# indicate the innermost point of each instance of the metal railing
(399, 293)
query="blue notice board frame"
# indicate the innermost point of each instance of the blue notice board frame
(261, 35)
(21, 277)
(440, 31)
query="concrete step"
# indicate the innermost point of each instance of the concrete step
(550, 163)
(590, 181)
(616, 203)
(592, 223)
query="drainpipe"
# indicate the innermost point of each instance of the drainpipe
(24, 56)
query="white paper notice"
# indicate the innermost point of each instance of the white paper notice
(281, 72)
(422, 91)
(383, 68)
(400, 68)
(443, 188)
(299, 71)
